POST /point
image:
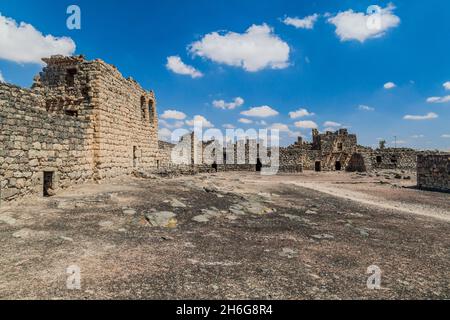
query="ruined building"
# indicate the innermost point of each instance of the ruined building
(433, 172)
(80, 121)
(329, 151)
(83, 121)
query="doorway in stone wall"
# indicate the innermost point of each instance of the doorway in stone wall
(338, 166)
(258, 165)
(318, 166)
(48, 183)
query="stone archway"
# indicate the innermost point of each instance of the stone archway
(357, 163)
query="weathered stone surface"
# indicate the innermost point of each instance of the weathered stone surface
(177, 204)
(433, 172)
(162, 219)
(207, 215)
(8, 220)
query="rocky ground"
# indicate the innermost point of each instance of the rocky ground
(231, 236)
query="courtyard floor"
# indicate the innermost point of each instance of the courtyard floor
(230, 236)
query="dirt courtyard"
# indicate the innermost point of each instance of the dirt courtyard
(230, 236)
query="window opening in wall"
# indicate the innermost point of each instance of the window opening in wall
(151, 111)
(48, 184)
(215, 167)
(143, 107)
(70, 77)
(340, 146)
(379, 159)
(394, 159)
(135, 156)
(71, 113)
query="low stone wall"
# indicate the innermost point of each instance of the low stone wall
(433, 172)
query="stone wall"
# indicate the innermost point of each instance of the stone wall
(433, 172)
(80, 121)
(126, 124)
(165, 154)
(290, 160)
(393, 158)
(35, 141)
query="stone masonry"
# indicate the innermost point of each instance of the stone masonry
(433, 172)
(81, 121)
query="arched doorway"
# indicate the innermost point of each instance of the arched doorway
(215, 167)
(356, 163)
(338, 166)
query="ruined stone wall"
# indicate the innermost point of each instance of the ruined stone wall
(126, 123)
(433, 172)
(80, 121)
(165, 154)
(335, 142)
(290, 160)
(309, 159)
(404, 159)
(38, 136)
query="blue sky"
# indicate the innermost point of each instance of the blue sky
(322, 59)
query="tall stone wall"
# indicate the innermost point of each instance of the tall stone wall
(433, 172)
(126, 123)
(82, 120)
(34, 140)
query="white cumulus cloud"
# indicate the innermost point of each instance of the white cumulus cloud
(300, 113)
(228, 126)
(173, 114)
(438, 99)
(306, 124)
(428, 116)
(256, 49)
(22, 43)
(245, 121)
(260, 112)
(221, 104)
(363, 107)
(280, 127)
(200, 120)
(446, 85)
(176, 65)
(332, 124)
(446, 136)
(302, 23)
(1, 77)
(389, 85)
(171, 125)
(164, 134)
(360, 26)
